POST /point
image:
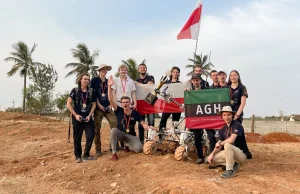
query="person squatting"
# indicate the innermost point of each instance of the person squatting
(115, 99)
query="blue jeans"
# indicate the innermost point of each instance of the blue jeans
(150, 119)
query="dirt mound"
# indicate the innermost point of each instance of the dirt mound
(23, 117)
(280, 137)
(255, 138)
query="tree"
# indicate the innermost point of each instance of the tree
(281, 113)
(22, 57)
(40, 93)
(133, 71)
(85, 59)
(61, 101)
(200, 60)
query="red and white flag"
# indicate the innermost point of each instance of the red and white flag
(177, 90)
(192, 27)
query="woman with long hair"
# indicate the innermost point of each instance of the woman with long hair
(174, 78)
(238, 95)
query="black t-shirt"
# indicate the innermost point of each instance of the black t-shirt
(236, 95)
(148, 78)
(100, 89)
(81, 99)
(123, 120)
(240, 141)
(218, 86)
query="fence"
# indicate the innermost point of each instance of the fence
(262, 126)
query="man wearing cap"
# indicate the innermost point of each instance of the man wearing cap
(145, 79)
(198, 70)
(99, 84)
(222, 79)
(232, 149)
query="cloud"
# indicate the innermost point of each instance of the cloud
(259, 39)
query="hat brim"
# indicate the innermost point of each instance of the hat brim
(107, 66)
(220, 112)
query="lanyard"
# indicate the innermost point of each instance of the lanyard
(84, 99)
(102, 86)
(123, 87)
(127, 121)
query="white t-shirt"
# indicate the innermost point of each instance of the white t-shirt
(120, 86)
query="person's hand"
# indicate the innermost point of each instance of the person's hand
(210, 158)
(110, 81)
(134, 106)
(150, 82)
(218, 144)
(78, 118)
(185, 89)
(101, 107)
(87, 119)
(235, 117)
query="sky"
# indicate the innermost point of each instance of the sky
(259, 38)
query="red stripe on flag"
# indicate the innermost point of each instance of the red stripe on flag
(209, 122)
(185, 33)
(160, 106)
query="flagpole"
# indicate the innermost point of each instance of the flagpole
(196, 48)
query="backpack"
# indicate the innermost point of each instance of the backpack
(90, 93)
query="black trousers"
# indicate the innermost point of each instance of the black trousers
(212, 139)
(240, 119)
(198, 141)
(198, 134)
(150, 120)
(165, 116)
(78, 128)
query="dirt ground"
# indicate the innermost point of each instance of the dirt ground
(35, 157)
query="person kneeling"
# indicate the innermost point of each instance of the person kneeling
(232, 149)
(127, 119)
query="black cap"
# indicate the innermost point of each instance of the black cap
(220, 72)
(196, 76)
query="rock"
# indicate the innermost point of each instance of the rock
(113, 184)
(118, 175)
(62, 169)
(104, 169)
(71, 185)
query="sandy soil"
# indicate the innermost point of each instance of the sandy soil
(35, 157)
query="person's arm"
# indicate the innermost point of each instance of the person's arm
(151, 80)
(111, 94)
(133, 95)
(243, 102)
(91, 112)
(99, 105)
(71, 109)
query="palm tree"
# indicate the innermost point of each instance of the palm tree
(200, 60)
(85, 62)
(22, 57)
(133, 72)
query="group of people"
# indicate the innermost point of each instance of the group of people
(115, 99)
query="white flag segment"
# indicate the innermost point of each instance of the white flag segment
(192, 27)
(177, 90)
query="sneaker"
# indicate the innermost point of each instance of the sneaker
(86, 158)
(78, 160)
(227, 174)
(236, 166)
(98, 153)
(114, 157)
(199, 161)
(126, 149)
